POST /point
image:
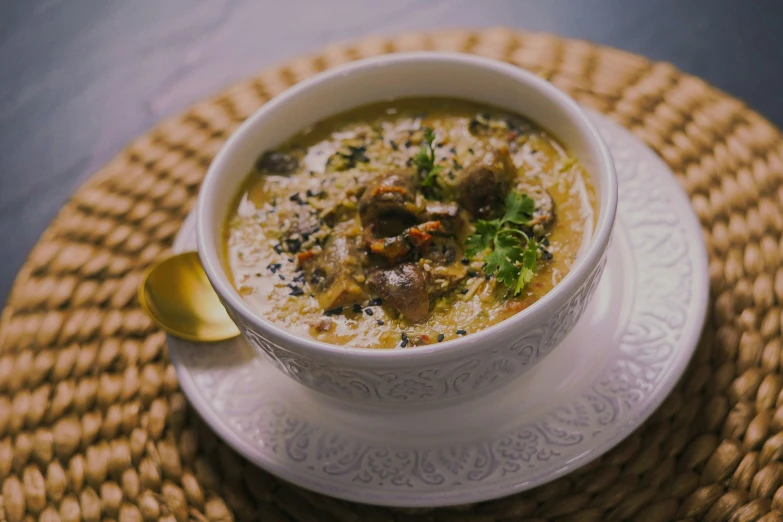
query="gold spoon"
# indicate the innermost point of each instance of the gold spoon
(178, 297)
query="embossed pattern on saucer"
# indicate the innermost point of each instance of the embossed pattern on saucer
(609, 374)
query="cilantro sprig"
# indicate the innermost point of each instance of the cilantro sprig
(425, 162)
(510, 262)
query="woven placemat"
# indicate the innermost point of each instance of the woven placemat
(93, 425)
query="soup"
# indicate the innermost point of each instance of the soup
(407, 223)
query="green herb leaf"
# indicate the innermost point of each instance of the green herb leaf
(422, 160)
(480, 241)
(525, 276)
(519, 209)
(500, 266)
(429, 135)
(425, 163)
(530, 255)
(528, 269)
(431, 179)
(425, 158)
(509, 246)
(510, 262)
(508, 249)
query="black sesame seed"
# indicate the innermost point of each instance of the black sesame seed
(404, 344)
(357, 308)
(281, 277)
(299, 279)
(471, 150)
(295, 197)
(409, 162)
(376, 301)
(404, 336)
(278, 248)
(394, 145)
(546, 254)
(461, 332)
(334, 311)
(368, 311)
(472, 273)
(407, 143)
(273, 267)
(441, 337)
(465, 261)
(380, 323)
(463, 291)
(296, 291)
(290, 259)
(453, 150)
(293, 245)
(545, 241)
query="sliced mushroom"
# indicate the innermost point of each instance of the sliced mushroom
(275, 162)
(333, 273)
(394, 249)
(483, 184)
(452, 218)
(444, 270)
(389, 202)
(415, 239)
(403, 287)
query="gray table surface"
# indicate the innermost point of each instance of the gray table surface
(80, 78)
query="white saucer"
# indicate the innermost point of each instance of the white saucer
(618, 364)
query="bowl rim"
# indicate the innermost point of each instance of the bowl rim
(564, 290)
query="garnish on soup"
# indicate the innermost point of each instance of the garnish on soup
(407, 223)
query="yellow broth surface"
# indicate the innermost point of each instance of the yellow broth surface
(279, 219)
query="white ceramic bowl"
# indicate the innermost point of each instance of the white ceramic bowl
(479, 362)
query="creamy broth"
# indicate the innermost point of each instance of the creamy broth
(337, 215)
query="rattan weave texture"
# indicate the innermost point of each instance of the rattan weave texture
(94, 427)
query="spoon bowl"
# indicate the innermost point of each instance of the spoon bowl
(178, 297)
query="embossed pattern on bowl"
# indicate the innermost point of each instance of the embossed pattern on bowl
(456, 369)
